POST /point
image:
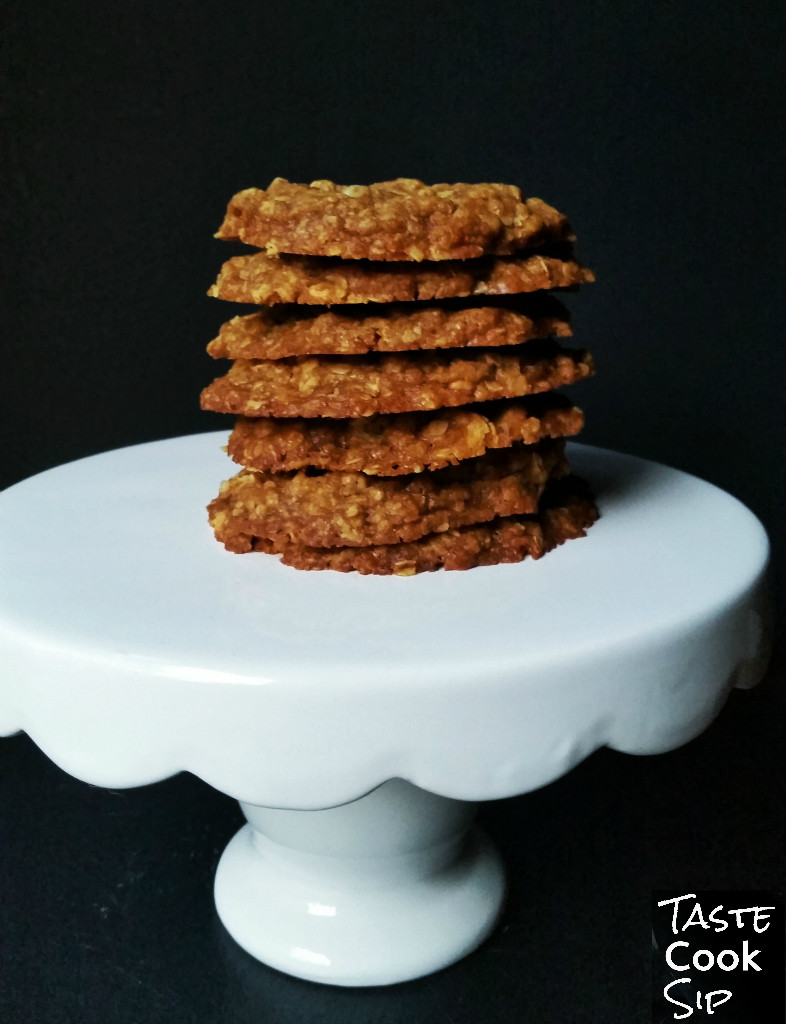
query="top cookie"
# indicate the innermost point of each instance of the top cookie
(392, 220)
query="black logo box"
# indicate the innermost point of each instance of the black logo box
(757, 996)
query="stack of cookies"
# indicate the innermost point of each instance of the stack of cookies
(395, 386)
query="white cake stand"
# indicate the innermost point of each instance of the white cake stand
(360, 719)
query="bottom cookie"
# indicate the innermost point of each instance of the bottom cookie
(566, 512)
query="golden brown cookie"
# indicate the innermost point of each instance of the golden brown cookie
(392, 220)
(323, 281)
(341, 387)
(337, 509)
(389, 445)
(280, 332)
(567, 516)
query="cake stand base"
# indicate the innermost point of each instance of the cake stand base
(389, 887)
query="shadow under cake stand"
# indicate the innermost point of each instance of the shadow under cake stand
(360, 719)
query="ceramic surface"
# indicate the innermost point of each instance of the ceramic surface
(133, 646)
(381, 890)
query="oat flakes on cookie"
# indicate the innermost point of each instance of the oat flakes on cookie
(323, 281)
(278, 332)
(565, 516)
(334, 509)
(399, 443)
(402, 219)
(354, 386)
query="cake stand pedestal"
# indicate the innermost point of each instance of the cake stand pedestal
(359, 720)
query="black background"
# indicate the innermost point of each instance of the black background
(657, 128)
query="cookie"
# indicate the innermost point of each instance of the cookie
(280, 332)
(354, 386)
(567, 515)
(338, 509)
(324, 281)
(389, 445)
(392, 220)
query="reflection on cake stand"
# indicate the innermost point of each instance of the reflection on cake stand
(359, 720)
